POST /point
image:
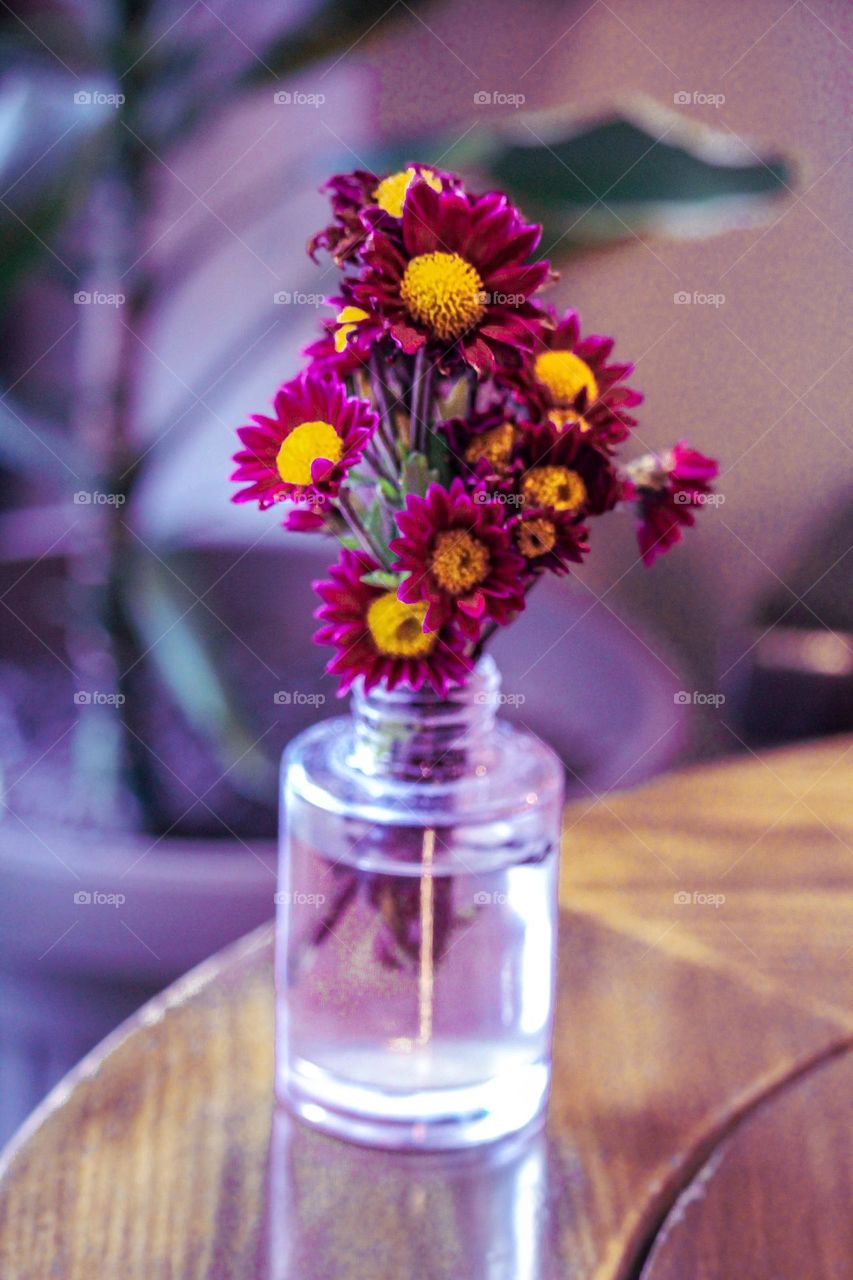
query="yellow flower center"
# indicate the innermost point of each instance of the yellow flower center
(398, 629)
(555, 487)
(443, 292)
(565, 375)
(459, 561)
(536, 537)
(348, 319)
(305, 444)
(390, 195)
(495, 445)
(568, 418)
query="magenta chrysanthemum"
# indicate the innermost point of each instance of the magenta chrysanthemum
(569, 382)
(378, 637)
(667, 487)
(456, 279)
(457, 550)
(482, 449)
(561, 470)
(362, 201)
(550, 539)
(305, 451)
(483, 446)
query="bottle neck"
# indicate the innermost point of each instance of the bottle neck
(422, 735)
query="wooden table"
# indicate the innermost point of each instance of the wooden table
(702, 1111)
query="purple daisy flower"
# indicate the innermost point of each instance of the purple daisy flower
(667, 488)
(456, 548)
(362, 201)
(379, 638)
(305, 451)
(569, 383)
(456, 278)
(561, 471)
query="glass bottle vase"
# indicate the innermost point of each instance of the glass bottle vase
(417, 920)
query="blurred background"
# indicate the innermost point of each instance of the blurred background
(159, 174)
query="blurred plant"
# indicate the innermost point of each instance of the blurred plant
(91, 94)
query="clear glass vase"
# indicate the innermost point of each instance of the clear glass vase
(417, 920)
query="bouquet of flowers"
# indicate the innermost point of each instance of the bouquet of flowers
(456, 436)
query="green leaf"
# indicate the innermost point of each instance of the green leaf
(48, 143)
(652, 170)
(378, 526)
(416, 475)
(638, 169)
(382, 578)
(202, 691)
(385, 487)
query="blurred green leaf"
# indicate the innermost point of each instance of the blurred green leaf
(416, 475)
(379, 526)
(189, 671)
(382, 578)
(639, 169)
(48, 142)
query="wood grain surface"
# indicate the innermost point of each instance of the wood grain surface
(747, 1211)
(701, 1089)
